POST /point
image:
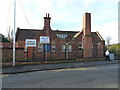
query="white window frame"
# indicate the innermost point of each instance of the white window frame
(69, 48)
(63, 48)
(80, 47)
(40, 47)
(53, 48)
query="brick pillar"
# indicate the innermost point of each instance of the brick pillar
(47, 22)
(87, 37)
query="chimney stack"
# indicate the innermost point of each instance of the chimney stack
(87, 37)
(87, 24)
(47, 22)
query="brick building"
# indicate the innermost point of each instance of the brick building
(63, 44)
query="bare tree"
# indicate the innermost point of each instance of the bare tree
(10, 34)
(108, 40)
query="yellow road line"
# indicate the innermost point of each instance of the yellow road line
(4, 75)
(73, 69)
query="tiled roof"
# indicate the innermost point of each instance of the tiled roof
(97, 36)
(77, 34)
(23, 34)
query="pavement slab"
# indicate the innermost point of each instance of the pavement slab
(42, 67)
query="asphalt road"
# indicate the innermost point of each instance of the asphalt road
(104, 76)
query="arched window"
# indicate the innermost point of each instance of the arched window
(53, 46)
(69, 48)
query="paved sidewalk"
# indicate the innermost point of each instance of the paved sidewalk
(41, 67)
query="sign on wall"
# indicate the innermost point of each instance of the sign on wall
(44, 39)
(30, 42)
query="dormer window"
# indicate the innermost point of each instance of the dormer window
(62, 35)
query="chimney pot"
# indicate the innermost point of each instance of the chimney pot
(48, 14)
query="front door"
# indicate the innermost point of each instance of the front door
(46, 48)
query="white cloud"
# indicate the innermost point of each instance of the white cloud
(65, 14)
(4, 8)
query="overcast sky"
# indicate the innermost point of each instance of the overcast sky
(65, 15)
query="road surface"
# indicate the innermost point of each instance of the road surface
(103, 76)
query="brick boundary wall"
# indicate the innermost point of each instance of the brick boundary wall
(7, 54)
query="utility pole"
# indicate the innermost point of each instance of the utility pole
(14, 33)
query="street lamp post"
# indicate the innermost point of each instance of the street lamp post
(14, 33)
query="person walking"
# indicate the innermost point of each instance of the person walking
(107, 55)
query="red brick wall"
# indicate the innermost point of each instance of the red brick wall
(87, 46)
(6, 44)
(61, 55)
(98, 47)
(7, 54)
(53, 55)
